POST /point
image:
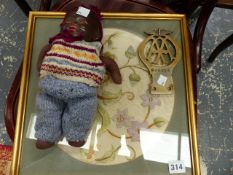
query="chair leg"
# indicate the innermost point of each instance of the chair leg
(24, 6)
(11, 105)
(226, 43)
(206, 11)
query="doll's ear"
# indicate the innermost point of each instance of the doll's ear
(94, 29)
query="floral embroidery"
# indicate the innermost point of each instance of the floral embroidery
(149, 100)
(134, 130)
(122, 118)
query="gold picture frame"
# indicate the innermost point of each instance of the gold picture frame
(171, 114)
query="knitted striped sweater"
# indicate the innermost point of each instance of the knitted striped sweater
(74, 61)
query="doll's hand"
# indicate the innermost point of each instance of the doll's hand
(112, 68)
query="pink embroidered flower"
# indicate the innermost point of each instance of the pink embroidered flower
(149, 100)
(122, 118)
(134, 130)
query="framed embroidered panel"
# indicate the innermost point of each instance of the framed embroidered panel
(145, 125)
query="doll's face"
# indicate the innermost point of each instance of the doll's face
(74, 24)
(87, 28)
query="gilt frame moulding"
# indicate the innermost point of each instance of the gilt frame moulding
(164, 114)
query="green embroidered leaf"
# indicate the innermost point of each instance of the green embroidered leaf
(110, 55)
(159, 122)
(108, 156)
(110, 95)
(109, 42)
(107, 96)
(102, 117)
(130, 52)
(98, 118)
(134, 77)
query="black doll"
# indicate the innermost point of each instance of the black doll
(71, 69)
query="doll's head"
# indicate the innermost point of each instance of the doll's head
(84, 26)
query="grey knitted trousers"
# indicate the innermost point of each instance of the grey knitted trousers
(64, 108)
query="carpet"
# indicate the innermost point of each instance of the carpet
(5, 159)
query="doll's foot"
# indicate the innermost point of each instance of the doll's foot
(76, 143)
(44, 144)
